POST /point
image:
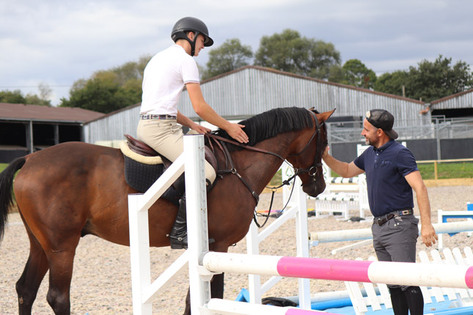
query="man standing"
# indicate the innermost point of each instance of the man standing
(391, 175)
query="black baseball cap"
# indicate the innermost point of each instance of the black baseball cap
(382, 119)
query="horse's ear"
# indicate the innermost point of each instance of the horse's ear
(326, 115)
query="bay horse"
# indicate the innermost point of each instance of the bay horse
(73, 189)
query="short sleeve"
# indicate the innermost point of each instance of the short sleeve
(190, 71)
(360, 161)
(406, 162)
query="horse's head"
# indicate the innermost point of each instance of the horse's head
(307, 154)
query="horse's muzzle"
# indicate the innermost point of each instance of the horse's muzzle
(314, 188)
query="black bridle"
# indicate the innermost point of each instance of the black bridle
(312, 170)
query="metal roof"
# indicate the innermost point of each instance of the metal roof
(455, 101)
(22, 112)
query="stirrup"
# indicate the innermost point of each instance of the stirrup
(181, 243)
(178, 242)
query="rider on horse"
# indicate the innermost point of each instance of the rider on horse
(165, 76)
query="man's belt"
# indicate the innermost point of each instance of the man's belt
(385, 218)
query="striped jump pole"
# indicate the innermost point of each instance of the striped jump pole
(400, 273)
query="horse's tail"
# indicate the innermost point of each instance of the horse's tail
(6, 193)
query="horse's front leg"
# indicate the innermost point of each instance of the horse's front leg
(216, 291)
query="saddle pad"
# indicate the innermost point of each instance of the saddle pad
(140, 177)
(150, 160)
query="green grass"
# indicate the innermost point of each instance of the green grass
(446, 170)
(3, 166)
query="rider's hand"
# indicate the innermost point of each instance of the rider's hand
(200, 129)
(236, 132)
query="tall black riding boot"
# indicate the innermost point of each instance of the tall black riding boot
(178, 235)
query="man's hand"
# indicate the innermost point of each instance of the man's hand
(429, 237)
(325, 153)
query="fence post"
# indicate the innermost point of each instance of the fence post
(139, 255)
(196, 195)
(302, 242)
(437, 136)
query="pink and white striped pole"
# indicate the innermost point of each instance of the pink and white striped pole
(418, 274)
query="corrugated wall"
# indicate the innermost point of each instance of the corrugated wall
(460, 100)
(253, 90)
(113, 127)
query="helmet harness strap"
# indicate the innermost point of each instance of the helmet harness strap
(192, 42)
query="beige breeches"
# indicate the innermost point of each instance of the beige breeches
(166, 137)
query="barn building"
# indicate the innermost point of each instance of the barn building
(456, 106)
(427, 129)
(252, 90)
(27, 128)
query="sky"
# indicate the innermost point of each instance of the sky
(57, 42)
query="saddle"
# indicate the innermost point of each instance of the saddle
(141, 148)
(143, 166)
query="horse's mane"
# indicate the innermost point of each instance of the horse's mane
(273, 122)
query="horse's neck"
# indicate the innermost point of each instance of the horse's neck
(259, 168)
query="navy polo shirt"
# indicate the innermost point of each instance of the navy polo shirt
(385, 169)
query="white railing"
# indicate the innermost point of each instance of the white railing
(143, 290)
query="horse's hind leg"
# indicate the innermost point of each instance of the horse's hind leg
(216, 291)
(60, 275)
(29, 282)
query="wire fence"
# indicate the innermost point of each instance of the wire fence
(440, 128)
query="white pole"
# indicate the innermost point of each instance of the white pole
(196, 195)
(254, 281)
(302, 242)
(139, 255)
(363, 234)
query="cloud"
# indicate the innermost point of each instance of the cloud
(60, 41)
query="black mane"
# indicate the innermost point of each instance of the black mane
(273, 122)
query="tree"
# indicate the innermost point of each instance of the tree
(434, 80)
(102, 93)
(109, 90)
(355, 73)
(392, 83)
(227, 57)
(16, 97)
(429, 82)
(12, 97)
(290, 52)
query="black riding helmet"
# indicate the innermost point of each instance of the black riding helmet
(191, 24)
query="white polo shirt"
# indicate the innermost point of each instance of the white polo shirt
(164, 78)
